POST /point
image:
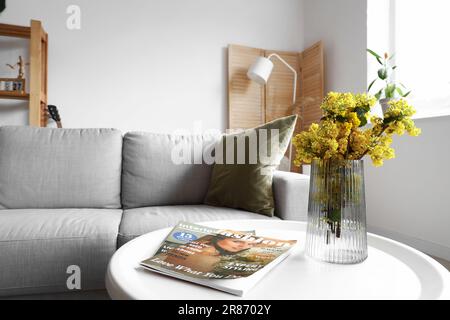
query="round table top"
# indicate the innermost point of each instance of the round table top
(391, 271)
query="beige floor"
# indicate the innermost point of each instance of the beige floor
(445, 263)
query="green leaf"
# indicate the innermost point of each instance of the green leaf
(394, 67)
(406, 94)
(387, 121)
(392, 56)
(376, 55)
(400, 92)
(389, 91)
(341, 119)
(361, 112)
(371, 84)
(335, 215)
(382, 73)
(363, 122)
(378, 94)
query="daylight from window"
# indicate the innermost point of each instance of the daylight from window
(415, 31)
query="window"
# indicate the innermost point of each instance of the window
(416, 31)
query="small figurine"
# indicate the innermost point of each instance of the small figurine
(21, 65)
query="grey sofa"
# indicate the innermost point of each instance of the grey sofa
(73, 196)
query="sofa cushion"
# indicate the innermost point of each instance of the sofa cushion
(136, 222)
(243, 173)
(59, 168)
(37, 246)
(161, 169)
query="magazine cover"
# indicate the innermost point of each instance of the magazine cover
(196, 252)
(185, 232)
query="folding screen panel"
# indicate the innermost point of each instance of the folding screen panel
(251, 104)
(311, 80)
(245, 98)
(280, 85)
(312, 84)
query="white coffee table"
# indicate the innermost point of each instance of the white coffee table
(392, 271)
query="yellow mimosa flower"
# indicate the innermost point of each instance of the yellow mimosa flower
(339, 135)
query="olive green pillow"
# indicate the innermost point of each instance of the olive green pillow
(244, 166)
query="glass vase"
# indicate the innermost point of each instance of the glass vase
(336, 229)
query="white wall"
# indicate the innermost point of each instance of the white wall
(340, 24)
(154, 65)
(408, 198)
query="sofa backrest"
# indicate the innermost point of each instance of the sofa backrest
(59, 168)
(151, 177)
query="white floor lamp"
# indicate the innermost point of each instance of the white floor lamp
(260, 72)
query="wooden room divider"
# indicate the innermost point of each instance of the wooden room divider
(250, 104)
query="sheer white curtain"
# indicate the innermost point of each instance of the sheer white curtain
(417, 32)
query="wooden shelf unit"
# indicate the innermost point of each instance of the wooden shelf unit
(37, 95)
(14, 95)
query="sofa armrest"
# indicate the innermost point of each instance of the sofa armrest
(291, 191)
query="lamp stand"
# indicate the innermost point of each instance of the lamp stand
(293, 96)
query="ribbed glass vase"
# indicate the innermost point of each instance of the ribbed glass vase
(336, 230)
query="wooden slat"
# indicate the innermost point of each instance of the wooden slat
(35, 112)
(279, 88)
(245, 97)
(312, 88)
(44, 78)
(14, 95)
(9, 30)
(44, 42)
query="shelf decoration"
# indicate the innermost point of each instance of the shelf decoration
(36, 91)
(14, 86)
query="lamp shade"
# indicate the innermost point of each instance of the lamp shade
(260, 70)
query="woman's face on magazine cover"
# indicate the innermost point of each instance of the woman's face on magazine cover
(233, 245)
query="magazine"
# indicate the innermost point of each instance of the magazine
(227, 260)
